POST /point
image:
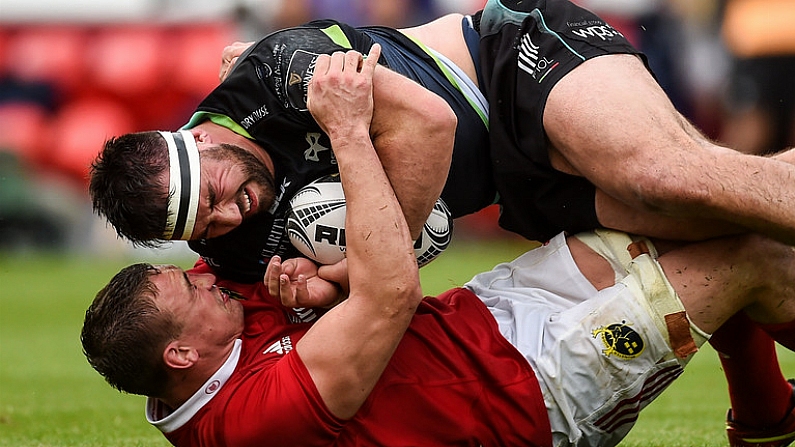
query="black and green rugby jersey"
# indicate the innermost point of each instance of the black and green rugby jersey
(264, 99)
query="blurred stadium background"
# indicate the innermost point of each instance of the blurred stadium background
(75, 72)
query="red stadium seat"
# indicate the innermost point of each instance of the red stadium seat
(196, 56)
(51, 54)
(80, 129)
(5, 37)
(127, 60)
(22, 127)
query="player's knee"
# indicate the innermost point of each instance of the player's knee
(774, 262)
(781, 262)
(663, 191)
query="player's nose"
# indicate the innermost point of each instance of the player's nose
(228, 216)
(202, 280)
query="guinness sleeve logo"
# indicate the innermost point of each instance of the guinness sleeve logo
(300, 71)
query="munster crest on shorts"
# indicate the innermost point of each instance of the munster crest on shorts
(620, 340)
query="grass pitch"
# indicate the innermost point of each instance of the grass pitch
(49, 395)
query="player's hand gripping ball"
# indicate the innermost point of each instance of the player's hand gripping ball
(316, 224)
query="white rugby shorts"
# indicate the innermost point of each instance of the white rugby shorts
(600, 356)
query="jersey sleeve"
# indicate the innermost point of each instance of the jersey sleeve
(281, 65)
(279, 406)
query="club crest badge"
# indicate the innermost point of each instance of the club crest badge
(620, 340)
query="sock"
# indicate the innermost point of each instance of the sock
(784, 333)
(760, 395)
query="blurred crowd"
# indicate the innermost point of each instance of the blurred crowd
(728, 65)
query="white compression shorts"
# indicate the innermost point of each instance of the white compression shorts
(600, 356)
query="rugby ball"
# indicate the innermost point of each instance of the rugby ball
(316, 224)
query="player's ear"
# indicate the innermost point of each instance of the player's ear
(179, 356)
(201, 135)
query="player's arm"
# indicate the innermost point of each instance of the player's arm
(348, 348)
(229, 56)
(413, 131)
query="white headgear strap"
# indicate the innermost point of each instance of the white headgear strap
(183, 188)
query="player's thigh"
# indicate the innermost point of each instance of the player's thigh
(611, 121)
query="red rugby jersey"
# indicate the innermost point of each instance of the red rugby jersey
(454, 380)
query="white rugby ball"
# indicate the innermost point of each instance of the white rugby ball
(316, 224)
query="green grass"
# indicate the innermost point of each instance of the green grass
(49, 396)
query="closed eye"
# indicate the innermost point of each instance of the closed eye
(211, 199)
(211, 196)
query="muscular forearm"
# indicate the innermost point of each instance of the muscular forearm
(413, 131)
(382, 268)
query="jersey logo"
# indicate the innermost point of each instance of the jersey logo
(264, 70)
(276, 242)
(531, 62)
(601, 31)
(311, 154)
(214, 386)
(299, 73)
(254, 116)
(620, 340)
(278, 199)
(302, 315)
(281, 347)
